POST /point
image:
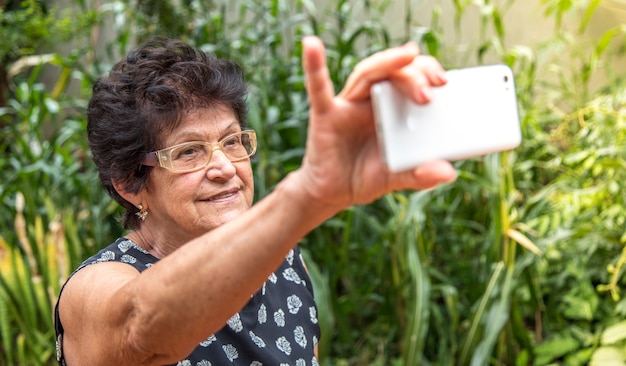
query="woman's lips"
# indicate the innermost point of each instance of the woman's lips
(223, 196)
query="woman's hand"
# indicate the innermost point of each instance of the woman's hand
(342, 164)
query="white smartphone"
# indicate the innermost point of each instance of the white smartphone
(475, 113)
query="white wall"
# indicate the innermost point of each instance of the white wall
(524, 23)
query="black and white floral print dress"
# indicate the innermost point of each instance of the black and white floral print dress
(277, 327)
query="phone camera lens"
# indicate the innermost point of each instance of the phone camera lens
(506, 78)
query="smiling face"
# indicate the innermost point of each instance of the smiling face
(183, 206)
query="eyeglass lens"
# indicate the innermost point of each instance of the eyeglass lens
(196, 154)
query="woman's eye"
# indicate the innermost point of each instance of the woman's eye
(233, 141)
(189, 151)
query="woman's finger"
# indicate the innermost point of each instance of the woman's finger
(318, 84)
(426, 176)
(379, 66)
(416, 80)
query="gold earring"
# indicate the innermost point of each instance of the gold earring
(142, 213)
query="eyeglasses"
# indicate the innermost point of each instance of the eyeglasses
(195, 155)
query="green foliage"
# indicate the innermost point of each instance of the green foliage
(24, 29)
(26, 26)
(53, 211)
(518, 262)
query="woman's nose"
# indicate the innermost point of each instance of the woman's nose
(220, 166)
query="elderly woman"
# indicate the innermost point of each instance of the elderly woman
(204, 277)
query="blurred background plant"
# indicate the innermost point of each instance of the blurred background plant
(518, 262)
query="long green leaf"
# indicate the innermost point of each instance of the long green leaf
(6, 333)
(472, 336)
(419, 305)
(497, 317)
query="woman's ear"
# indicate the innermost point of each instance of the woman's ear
(133, 198)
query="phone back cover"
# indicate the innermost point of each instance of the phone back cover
(474, 113)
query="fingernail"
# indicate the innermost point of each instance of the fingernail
(425, 94)
(410, 46)
(441, 74)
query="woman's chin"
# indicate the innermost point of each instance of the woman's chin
(208, 224)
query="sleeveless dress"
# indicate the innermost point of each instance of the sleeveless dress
(278, 326)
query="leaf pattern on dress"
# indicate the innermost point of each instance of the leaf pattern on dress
(137, 247)
(125, 245)
(313, 314)
(314, 361)
(231, 352)
(262, 314)
(299, 336)
(294, 304)
(283, 345)
(289, 257)
(279, 318)
(291, 275)
(273, 278)
(257, 340)
(204, 363)
(208, 341)
(126, 258)
(106, 256)
(300, 362)
(184, 363)
(235, 323)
